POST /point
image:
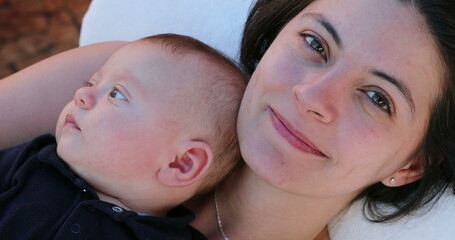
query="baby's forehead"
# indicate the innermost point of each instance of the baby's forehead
(184, 52)
(185, 65)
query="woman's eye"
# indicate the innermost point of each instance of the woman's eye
(380, 101)
(315, 44)
(115, 93)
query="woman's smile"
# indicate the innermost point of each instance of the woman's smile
(292, 135)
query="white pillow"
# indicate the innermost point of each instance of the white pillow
(437, 223)
(218, 23)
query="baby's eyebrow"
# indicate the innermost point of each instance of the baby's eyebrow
(132, 83)
(127, 76)
(98, 74)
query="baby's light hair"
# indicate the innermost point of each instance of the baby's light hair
(224, 95)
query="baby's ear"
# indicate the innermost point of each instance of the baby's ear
(191, 162)
(411, 172)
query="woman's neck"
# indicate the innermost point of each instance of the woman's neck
(252, 209)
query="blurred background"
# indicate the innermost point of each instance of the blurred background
(31, 30)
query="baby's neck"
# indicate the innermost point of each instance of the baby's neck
(110, 199)
(252, 209)
(124, 205)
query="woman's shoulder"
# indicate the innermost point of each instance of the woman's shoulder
(434, 222)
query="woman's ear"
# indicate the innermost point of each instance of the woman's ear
(411, 172)
(191, 162)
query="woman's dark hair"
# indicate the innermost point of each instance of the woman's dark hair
(437, 150)
(263, 24)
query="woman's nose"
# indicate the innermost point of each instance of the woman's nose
(85, 97)
(316, 99)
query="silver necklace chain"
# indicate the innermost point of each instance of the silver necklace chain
(218, 218)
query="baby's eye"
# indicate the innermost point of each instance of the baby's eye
(315, 44)
(88, 84)
(115, 93)
(380, 101)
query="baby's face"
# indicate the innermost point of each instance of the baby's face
(121, 127)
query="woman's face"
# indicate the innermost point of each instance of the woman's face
(341, 99)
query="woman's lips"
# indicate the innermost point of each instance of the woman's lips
(71, 122)
(294, 137)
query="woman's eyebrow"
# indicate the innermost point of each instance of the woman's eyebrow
(404, 90)
(324, 22)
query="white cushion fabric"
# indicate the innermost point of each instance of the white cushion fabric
(218, 23)
(437, 223)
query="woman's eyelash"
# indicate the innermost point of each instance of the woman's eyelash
(314, 43)
(380, 100)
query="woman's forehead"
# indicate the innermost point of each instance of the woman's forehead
(366, 17)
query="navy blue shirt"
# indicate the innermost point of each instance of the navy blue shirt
(41, 198)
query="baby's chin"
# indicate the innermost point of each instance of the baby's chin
(65, 150)
(61, 150)
(58, 134)
(71, 159)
